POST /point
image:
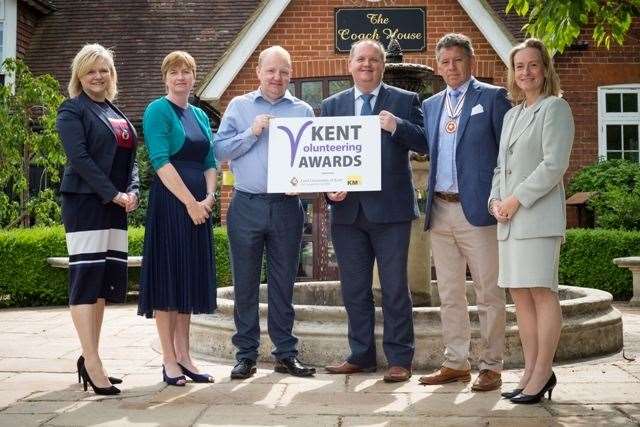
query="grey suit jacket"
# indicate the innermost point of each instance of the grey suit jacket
(533, 157)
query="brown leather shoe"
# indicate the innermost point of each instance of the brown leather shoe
(347, 368)
(487, 380)
(446, 375)
(397, 374)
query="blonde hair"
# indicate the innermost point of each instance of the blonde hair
(175, 59)
(85, 59)
(274, 49)
(551, 79)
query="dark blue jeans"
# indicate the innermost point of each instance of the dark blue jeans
(256, 222)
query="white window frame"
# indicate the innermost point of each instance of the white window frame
(605, 118)
(9, 20)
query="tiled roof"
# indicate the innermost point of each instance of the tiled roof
(42, 6)
(512, 21)
(141, 32)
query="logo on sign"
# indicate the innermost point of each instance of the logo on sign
(294, 141)
(354, 180)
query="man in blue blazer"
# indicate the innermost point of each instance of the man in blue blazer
(462, 126)
(375, 225)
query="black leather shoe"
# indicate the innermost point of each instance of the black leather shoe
(536, 398)
(245, 368)
(292, 366)
(512, 393)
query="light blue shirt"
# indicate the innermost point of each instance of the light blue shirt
(359, 101)
(447, 173)
(235, 142)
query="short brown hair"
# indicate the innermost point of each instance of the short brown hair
(551, 79)
(176, 58)
(85, 59)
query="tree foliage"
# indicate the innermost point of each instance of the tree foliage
(616, 183)
(558, 22)
(28, 138)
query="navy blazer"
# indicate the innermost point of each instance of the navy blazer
(90, 144)
(396, 201)
(478, 140)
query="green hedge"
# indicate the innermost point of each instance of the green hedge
(586, 260)
(27, 280)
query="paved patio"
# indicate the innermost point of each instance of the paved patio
(38, 386)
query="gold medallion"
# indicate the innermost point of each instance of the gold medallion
(451, 126)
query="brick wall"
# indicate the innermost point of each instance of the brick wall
(306, 29)
(27, 19)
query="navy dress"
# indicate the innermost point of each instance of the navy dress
(178, 270)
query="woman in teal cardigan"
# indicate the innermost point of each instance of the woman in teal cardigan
(178, 271)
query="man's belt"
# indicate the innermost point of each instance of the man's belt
(449, 197)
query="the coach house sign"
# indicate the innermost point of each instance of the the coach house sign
(406, 24)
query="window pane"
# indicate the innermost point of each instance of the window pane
(631, 156)
(614, 155)
(630, 102)
(614, 137)
(292, 89)
(630, 137)
(613, 103)
(336, 86)
(311, 92)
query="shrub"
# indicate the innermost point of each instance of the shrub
(586, 260)
(617, 183)
(27, 280)
(25, 277)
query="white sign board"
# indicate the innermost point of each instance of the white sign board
(317, 154)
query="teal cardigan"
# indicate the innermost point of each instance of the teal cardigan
(164, 134)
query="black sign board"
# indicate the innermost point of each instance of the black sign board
(406, 24)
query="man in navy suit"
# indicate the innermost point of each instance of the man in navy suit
(462, 126)
(375, 225)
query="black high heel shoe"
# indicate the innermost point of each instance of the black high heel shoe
(512, 393)
(105, 391)
(173, 381)
(197, 378)
(80, 364)
(535, 398)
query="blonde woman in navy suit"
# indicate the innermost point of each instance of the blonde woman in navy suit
(99, 186)
(528, 200)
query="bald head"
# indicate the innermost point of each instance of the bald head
(274, 72)
(274, 50)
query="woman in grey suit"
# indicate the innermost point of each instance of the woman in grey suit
(527, 198)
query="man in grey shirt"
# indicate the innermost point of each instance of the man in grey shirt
(257, 220)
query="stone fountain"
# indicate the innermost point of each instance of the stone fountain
(591, 326)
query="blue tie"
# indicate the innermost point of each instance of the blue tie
(454, 94)
(366, 105)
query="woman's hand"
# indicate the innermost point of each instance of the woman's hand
(198, 212)
(494, 208)
(209, 202)
(508, 207)
(337, 196)
(121, 199)
(133, 202)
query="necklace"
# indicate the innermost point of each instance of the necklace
(451, 126)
